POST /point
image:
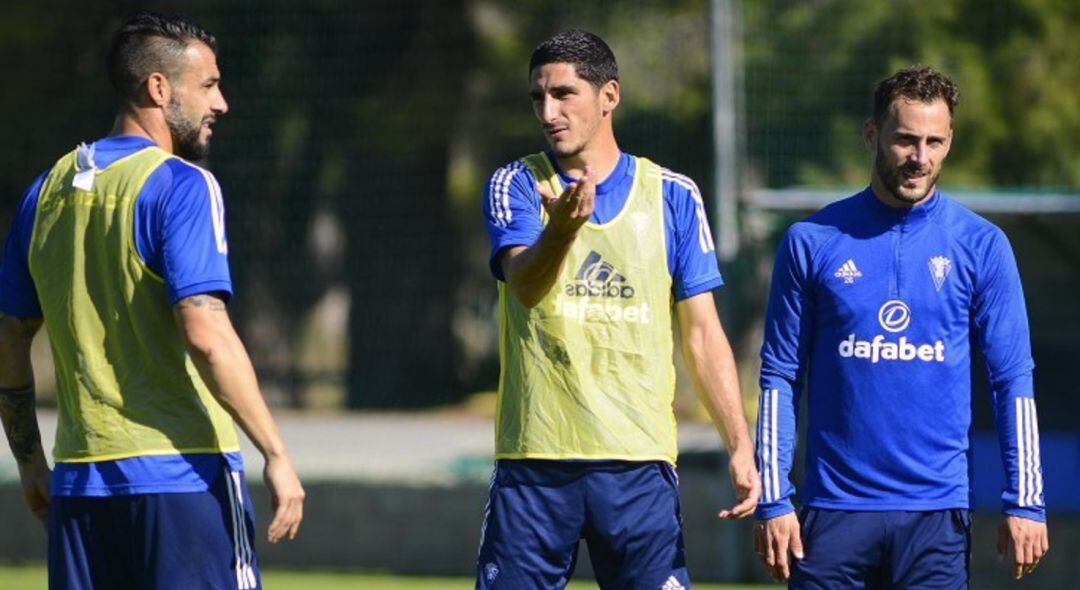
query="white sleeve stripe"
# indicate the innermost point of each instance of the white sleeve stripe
(1029, 455)
(493, 200)
(1033, 463)
(505, 190)
(705, 240)
(775, 471)
(499, 193)
(763, 448)
(1037, 471)
(1020, 457)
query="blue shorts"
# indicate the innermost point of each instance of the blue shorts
(155, 541)
(538, 511)
(894, 550)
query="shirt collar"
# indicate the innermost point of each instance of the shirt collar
(918, 213)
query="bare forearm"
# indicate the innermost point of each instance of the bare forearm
(531, 272)
(229, 375)
(17, 404)
(716, 381)
(19, 416)
(709, 358)
(224, 365)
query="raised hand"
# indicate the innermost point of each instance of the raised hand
(570, 210)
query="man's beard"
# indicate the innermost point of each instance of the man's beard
(185, 134)
(892, 177)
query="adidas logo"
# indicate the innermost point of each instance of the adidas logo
(672, 584)
(598, 278)
(600, 294)
(849, 272)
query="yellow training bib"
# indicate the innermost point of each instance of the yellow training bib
(125, 384)
(587, 373)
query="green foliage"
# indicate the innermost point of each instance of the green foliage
(811, 68)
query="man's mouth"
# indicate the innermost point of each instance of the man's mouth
(553, 132)
(913, 176)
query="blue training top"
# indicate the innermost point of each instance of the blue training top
(876, 305)
(512, 208)
(175, 236)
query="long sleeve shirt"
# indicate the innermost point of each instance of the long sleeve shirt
(876, 309)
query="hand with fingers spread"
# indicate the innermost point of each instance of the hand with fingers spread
(747, 484)
(1026, 540)
(286, 498)
(774, 539)
(570, 210)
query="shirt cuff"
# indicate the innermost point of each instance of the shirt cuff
(698, 287)
(1036, 514)
(773, 510)
(219, 286)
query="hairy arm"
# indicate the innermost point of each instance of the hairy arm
(531, 271)
(712, 367)
(224, 365)
(17, 410)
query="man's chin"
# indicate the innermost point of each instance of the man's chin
(912, 195)
(194, 152)
(563, 150)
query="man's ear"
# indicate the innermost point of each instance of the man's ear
(609, 96)
(870, 134)
(158, 89)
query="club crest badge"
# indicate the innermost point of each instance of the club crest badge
(940, 267)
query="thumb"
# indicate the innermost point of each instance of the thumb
(796, 544)
(546, 196)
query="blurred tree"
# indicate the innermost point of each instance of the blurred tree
(811, 67)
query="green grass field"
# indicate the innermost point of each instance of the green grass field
(33, 578)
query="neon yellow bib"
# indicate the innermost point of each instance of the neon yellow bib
(125, 384)
(587, 373)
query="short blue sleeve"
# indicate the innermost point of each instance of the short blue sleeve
(691, 251)
(18, 297)
(180, 230)
(511, 211)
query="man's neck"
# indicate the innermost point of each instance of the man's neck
(601, 159)
(140, 124)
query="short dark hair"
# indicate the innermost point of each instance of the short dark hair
(591, 57)
(919, 83)
(149, 42)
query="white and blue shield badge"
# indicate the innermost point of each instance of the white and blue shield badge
(940, 267)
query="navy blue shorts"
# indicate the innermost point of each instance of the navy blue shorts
(155, 541)
(538, 511)
(888, 550)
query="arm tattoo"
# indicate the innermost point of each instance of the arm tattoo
(210, 302)
(20, 421)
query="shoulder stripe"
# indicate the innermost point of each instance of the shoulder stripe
(494, 205)
(705, 239)
(499, 192)
(217, 208)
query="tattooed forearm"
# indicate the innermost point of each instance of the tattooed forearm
(20, 422)
(208, 301)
